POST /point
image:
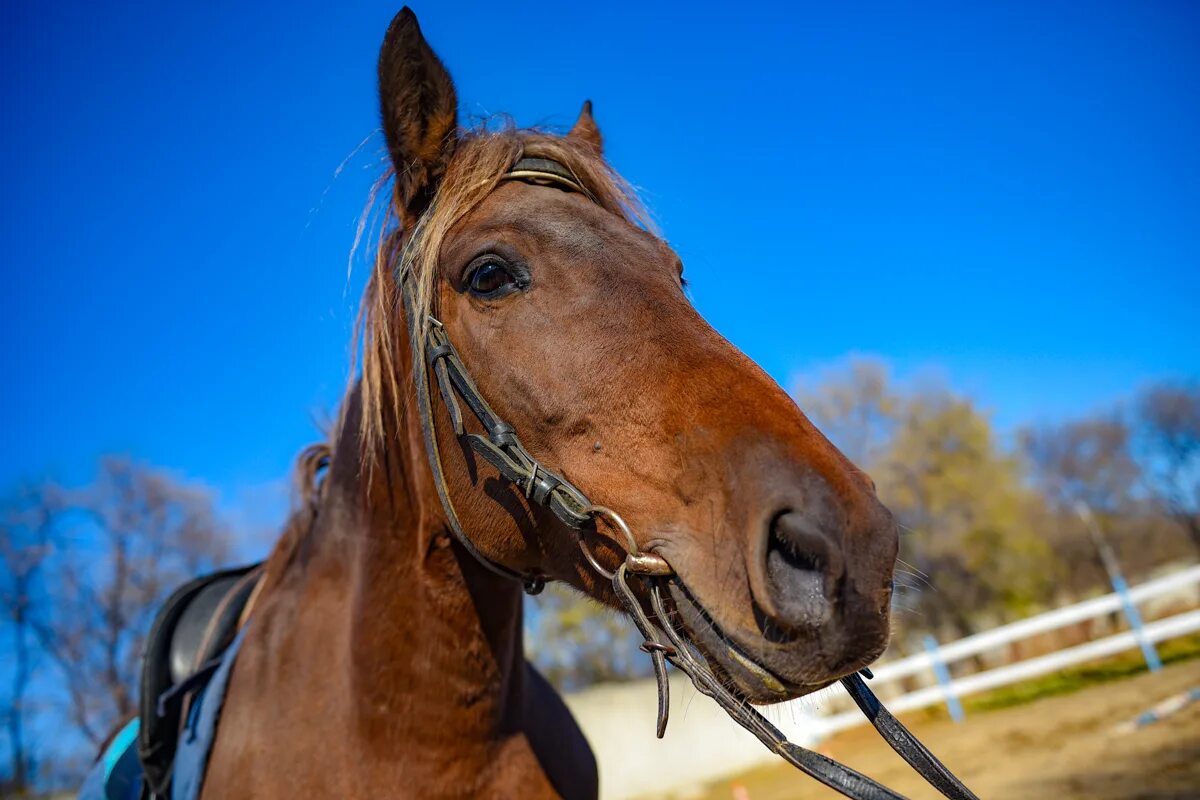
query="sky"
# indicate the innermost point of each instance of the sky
(1005, 194)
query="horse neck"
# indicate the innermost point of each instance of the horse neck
(427, 624)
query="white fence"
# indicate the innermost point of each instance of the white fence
(1157, 631)
(703, 745)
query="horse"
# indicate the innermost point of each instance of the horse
(383, 652)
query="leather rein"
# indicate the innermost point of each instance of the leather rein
(664, 642)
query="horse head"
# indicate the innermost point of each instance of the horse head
(569, 312)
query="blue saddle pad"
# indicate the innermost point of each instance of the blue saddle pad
(117, 775)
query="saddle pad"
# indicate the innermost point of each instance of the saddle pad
(196, 740)
(117, 774)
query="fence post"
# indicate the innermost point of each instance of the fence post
(1149, 652)
(1120, 586)
(942, 673)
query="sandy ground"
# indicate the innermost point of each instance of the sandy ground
(1060, 747)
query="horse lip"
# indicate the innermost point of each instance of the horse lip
(746, 667)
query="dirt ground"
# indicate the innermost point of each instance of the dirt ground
(1059, 747)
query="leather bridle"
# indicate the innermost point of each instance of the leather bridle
(663, 641)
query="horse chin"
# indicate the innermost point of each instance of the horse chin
(736, 668)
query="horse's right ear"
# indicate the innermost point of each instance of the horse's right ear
(420, 114)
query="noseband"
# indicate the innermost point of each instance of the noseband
(664, 642)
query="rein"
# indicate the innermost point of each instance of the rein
(664, 642)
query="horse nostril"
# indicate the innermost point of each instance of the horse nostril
(803, 568)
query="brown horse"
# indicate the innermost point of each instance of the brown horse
(381, 657)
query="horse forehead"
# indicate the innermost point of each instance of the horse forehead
(551, 219)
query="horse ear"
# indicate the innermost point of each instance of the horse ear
(420, 113)
(585, 128)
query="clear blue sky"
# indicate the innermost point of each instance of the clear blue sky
(1010, 195)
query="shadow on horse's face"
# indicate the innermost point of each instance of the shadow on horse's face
(574, 324)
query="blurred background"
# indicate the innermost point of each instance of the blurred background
(966, 239)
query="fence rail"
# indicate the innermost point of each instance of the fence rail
(927, 662)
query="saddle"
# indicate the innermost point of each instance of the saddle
(183, 649)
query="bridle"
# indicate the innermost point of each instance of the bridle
(663, 641)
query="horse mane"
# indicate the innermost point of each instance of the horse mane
(307, 484)
(481, 157)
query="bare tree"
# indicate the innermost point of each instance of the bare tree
(24, 531)
(118, 547)
(1167, 421)
(1106, 463)
(1087, 460)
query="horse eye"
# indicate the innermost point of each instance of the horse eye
(490, 278)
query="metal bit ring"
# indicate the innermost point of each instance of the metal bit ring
(615, 520)
(637, 561)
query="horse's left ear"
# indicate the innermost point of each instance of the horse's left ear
(420, 113)
(586, 130)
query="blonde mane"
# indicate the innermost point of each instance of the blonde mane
(481, 158)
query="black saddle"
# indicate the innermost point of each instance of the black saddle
(183, 647)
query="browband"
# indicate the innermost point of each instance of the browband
(533, 169)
